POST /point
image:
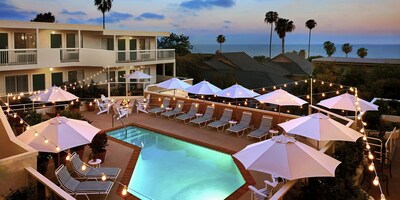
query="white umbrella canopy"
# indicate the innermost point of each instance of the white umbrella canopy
(285, 157)
(53, 94)
(320, 127)
(203, 88)
(236, 91)
(281, 97)
(347, 101)
(138, 75)
(62, 132)
(174, 84)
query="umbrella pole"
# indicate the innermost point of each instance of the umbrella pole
(58, 162)
(279, 115)
(236, 110)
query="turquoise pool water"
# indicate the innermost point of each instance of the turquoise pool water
(169, 168)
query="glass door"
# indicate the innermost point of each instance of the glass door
(121, 50)
(133, 48)
(3, 45)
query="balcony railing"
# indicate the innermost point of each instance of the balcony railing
(18, 56)
(69, 55)
(144, 55)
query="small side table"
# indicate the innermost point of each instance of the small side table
(95, 163)
(274, 132)
(198, 115)
(168, 108)
(232, 122)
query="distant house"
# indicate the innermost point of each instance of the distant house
(290, 65)
(356, 62)
(225, 68)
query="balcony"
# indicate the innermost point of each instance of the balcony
(144, 55)
(69, 55)
(18, 57)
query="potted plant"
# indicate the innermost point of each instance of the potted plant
(98, 146)
(90, 105)
(42, 162)
(80, 150)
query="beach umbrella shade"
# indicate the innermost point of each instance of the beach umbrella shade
(173, 84)
(347, 101)
(320, 127)
(281, 98)
(138, 75)
(60, 132)
(53, 94)
(285, 157)
(203, 88)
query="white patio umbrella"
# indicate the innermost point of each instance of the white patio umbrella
(174, 84)
(236, 92)
(281, 98)
(60, 132)
(138, 75)
(320, 127)
(347, 101)
(285, 157)
(203, 88)
(53, 94)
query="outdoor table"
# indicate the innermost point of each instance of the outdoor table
(274, 132)
(95, 163)
(232, 122)
(198, 115)
(168, 109)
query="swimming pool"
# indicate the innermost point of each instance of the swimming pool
(169, 168)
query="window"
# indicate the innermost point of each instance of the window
(74, 76)
(24, 40)
(71, 42)
(55, 40)
(38, 82)
(16, 84)
(160, 69)
(169, 69)
(110, 43)
(144, 44)
(56, 79)
(121, 75)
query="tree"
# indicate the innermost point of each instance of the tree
(347, 48)
(180, 43)
(362, 52)
(220, 40)
(104, 6)
(310, 24)
(44, 17)
(270, 18)
(329, 48)
(283, 26)
(260, 58)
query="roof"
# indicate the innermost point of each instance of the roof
(358, 60)
(301, 65)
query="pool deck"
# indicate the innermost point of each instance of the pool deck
(121, 155)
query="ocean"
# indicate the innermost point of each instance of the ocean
(374, 50)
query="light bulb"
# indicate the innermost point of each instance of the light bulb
(370, 156)
(68, 157)
(365, 138)
(21, 121)
(376, 181)
(367, 146)
(46, 141)
(36, 134)
(124, 191)
(362, 130)
(57, 148)
(371, 167)
(383, 197)
(103, 177)
(83, 167)
(27, 128)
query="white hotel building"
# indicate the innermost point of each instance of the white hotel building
(36, 55)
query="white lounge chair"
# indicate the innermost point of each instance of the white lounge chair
(203, 120)
(263, 130)
(223, 121)
(91, 173)
(75, 187)
(120, 111)
(143, 104)
(177, 110)
(104, 99)
(190, 114)
(103, 107)
(243, 125)
(264, 193)
(158, 110)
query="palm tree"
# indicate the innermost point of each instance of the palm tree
(310, 24)
(270, 18)
(283, 26)
(362, 52)
(347, 48)
(329, 48)
(220, 40)
(104, 6)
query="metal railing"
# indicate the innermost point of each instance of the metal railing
(69, 55)
(127, 56)
(18, 56)
(391, 144)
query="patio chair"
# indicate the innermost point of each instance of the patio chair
(104, 99)
(103, 107)
(120, 111)
(243, 125)
(158, 110)
(203, 120)
(75, 187)
(264, 128)
(264, 193)
(190, 114)
(91, 173)
(142, 104)
(223, 121)
(177, 110)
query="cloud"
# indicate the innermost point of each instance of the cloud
(225, 27)
(203, 4)
(148, 15)
(227, 21)
(113, 17)
(75, 21)
(10, 12)
(77, 13)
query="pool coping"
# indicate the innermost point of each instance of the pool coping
(136, 152)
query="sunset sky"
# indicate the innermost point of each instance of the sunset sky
(242, 22)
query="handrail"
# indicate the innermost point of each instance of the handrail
(349, 121)
(390, 143)
(49, 184)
